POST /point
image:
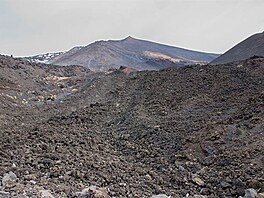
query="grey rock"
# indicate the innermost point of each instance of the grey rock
(30, 177)
(160, 196)
(93, 191)
(181, 168)
(250, 193)
(9, 180)
(225, 184)
(45, 194)
(198, 180)
(4, 194)
(260, 195)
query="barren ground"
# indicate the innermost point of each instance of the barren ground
(137, 135)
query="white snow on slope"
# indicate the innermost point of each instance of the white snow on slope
(42, 58)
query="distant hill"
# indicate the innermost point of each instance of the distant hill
(252, 46)
(131, 52)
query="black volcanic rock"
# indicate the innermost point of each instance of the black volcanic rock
(23, 82)
(135, 53)
(194, 130)
(252, 46)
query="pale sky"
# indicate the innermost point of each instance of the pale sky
(29, 27)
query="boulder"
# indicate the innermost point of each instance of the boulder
(250, 193)
(9, 180)
(45, 194)
(260, 195)
(198, 180)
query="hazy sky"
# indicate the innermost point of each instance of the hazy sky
(30, 27)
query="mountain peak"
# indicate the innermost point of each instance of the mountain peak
(129, 38)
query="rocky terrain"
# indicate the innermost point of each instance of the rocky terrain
(195, 131)
(252, 46)
(131, 52)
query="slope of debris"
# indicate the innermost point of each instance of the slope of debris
(31, 83)
(183, 132)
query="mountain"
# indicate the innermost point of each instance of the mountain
(42, 58)
(252, 46)
(131, 52)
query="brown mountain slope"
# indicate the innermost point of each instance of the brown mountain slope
(131, 52)
(252, 46)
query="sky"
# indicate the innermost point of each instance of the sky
(29, 27)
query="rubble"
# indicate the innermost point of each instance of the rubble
(196, 131)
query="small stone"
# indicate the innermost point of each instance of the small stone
(208, 148)
(255, 184)
(94, 191)
(9, 180)
(160, 196)
(4, 194)
(250, 193)
(198, 196)
(224, 184)
(198, 181)
(68, 173)
(122, 184)
(33, 182)
(181, 168)
(38, 188)
(260, 195)
(202, 171)
(239, 187)
(30, 177)
(148, 177)
(19, 187)
(45, 194)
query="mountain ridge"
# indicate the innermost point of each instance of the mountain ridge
(103, 55)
